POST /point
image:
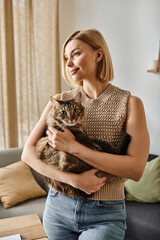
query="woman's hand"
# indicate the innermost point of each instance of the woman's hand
(63, 141)
(88, 182)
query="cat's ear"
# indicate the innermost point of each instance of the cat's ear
(78, 97)
(54, 101)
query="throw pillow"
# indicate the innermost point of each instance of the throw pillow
(148, 188)
(17, 184)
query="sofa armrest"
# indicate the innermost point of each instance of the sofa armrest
(9, 156)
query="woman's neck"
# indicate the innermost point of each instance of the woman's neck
(94, 90)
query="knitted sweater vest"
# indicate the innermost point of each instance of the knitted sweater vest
(105, 119)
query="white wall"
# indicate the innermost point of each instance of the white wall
(132, 31)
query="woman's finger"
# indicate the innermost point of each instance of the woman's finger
(53, 130)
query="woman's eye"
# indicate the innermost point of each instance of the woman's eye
(76, 110)
(63, 113)
(66, 58)
(75, 54)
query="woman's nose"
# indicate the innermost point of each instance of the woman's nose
(69, 63)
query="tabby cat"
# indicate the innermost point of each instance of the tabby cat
(70, 114)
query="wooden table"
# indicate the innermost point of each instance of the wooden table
(28, 226)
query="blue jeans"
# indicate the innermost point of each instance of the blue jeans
(79, 219)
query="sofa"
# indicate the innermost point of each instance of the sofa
(35, 205)
(143, 219)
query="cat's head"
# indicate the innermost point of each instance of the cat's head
(66, 113)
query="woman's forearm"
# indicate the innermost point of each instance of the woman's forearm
(118, 165)
(87, 181)
(30, 158)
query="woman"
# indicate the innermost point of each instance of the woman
(110, 112)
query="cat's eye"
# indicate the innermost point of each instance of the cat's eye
(76, 110)
(63, 113)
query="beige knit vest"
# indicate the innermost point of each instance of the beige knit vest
(105, 119)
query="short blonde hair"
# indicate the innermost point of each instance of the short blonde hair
(96, 40)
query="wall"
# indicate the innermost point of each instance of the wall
(132, 31)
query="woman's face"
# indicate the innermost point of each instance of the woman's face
(81, 60)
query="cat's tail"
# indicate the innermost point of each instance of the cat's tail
(123, 146)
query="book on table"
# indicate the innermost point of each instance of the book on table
(12, 237)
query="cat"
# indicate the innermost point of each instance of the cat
(71, 114)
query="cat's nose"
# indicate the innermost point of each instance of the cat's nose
(71, 118)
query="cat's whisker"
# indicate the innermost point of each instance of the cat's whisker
(63, 126)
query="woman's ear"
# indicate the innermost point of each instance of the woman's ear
(99, 55)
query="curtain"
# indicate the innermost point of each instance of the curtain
(29, 65)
